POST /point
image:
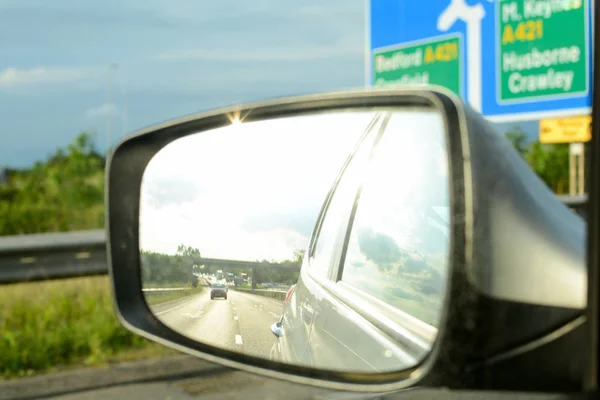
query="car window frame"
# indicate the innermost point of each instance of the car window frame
(340, 234)
(350, 224)
(366, 296)
(396, 323)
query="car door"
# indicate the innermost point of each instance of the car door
(380, 307)
(323, 253)
(325, 250)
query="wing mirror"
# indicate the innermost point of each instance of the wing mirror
(422, 249)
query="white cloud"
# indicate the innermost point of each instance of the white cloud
(250, 172)
(101, 111)
(159, 90)
(44, 75)
(249, 191)
(266, 55)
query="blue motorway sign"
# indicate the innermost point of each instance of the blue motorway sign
(509, 59)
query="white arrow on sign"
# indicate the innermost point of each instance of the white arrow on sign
(472, 16)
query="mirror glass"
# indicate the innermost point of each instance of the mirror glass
(319, 240)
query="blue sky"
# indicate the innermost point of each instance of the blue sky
(174, 58)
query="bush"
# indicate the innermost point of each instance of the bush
(48, 324)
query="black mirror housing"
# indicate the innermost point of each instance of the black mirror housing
(509, 322)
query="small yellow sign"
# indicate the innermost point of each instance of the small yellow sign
(566, 130)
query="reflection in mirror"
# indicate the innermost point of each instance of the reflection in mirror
(319, 240)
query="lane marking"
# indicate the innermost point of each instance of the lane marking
(275, 303)
(235, 317)
(255, 297)
(165, 303)
(196, 315)
(273, 314)
(238, 339)
(185, 303)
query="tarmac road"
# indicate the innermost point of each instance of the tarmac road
(240, 323)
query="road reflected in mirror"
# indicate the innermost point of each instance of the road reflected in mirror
(319, 240)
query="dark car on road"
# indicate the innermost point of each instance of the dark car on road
(218, 290)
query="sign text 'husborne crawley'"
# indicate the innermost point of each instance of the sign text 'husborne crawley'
(542, 46)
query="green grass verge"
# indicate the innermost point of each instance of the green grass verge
(62, 324)
(154, 298)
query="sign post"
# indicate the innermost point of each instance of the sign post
(576, 169)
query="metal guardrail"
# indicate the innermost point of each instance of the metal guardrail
(576, 202)
(262, 292)
(36, 257)
(166, 290)
(25, 258)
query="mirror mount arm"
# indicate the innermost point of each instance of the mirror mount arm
(276, 329)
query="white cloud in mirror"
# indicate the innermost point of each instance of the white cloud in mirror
(211, 180)
(249, 191)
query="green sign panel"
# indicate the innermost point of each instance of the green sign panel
(542, 47)
(436, 61)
